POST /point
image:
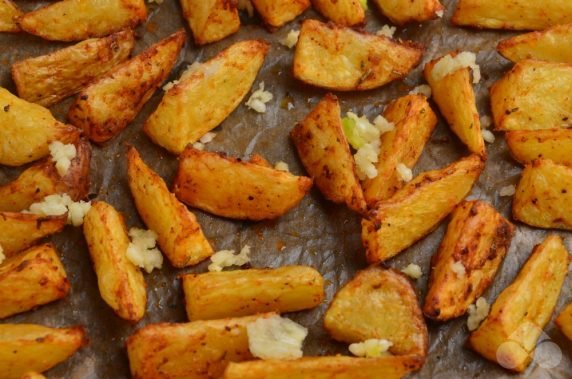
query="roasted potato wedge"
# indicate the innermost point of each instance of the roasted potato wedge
(276, 13)
(215, 295)
(8, 14)
(199, 349)
(533, 95)
(236, 189)
(48, 79)
(512, 14)
(179, 234)
(509, 334)
(543, 196)
(564, 321)
(107, 106)
(414, 122)
(455, 98)
(120, 282)
(325, 153)
(401, 12)
(326, 367)
(211, 20)
(343, 59)
(77, 20)
(379, 303)
(341, 12)
(32, 278)
(527, 145)
(18, 231)
(416, 209)
(188, 109)
(27, 130)
(28, 347)
(32, 375)
(478, 238)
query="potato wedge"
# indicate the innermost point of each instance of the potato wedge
(552, 45)
(401, 12)
(232, 188)
(478, 238)
(77, 20)
(48, 79)
(28, 347)
(414, 122)
(32, 375)
(180, 236)
(509, 334)
(32, 278)
(276, 13)
(18, 231)
(42, 179)
(326, 367)
(107, 106)
(120, 282)
(533, 95)
(416, 209)
(341, 12)
(381, 304)
(342, 59)
(215, 295)
(325, 153)
(8, 14)
(199, 349)
(527, 145)
(27, 130)
(543, 196)
(188, 109)
(512, 14)
(211, 20)
(455, 98)
(564, 321)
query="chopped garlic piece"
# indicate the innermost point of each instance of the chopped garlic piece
(507, 191)
(246, 5)
(227, 258)
(142, 250)
(276, 338)
(291, 39)
(259, 98)
(404, 172)
(59, 204)
(2, 256)
(477, 313)
(413, 271)
(158, 2)
(282, 166)
(459, 269)
(370, 348)
(386, 31)
(440, 13)
(423, 89)
(488, 136)
(486, 122)
(290, 106)
(207, 138)
(448, 65)
(199, 146)
(62, 155)
(170, 85)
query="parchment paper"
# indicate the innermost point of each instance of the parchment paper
(316, 233)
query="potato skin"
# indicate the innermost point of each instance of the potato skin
(397, 223)
(341, 59)
(32, 278)
(28, 347)
(215, 295)
(382, 304)
(120, 282)
(401, 12)
(509, 334)
(325, 153)
(48, 79)
(478, 237)
(211, 20)
(341, 12)
(528, 145)
(564, 321)
(8, 13)
(179, 234)
(232, 188)
(276, 13)
(107, 106)
(19, 231)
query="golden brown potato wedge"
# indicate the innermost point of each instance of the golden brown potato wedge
(533, 95)
(215, 295)
(76, 20)
(107, 106)
(414, 122)
(27, 130)
(552, 45)
(28, 347)
(199, 349)
(379, 303)
(404, 11)
(325, 153)
(179, 234)
(343, 59)
(18, 231)
(478, 238)
(543, 196)
(121, 283)
(188, 109)
(416, 209)
(341, 12)
(8, 14)
(554, 144)
(455, 98)
(512, 14)
(236, 189)
(32, 375)
(509, 334)
(276, 13)
(564, 321)
(211, 20)
(327, 367)
(48, 79)
(32, 278)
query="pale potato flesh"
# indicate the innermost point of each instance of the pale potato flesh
(404, 11)
(8, 14)
(341, 12)
(564, 321)
(527, 145)
(18, 231)
(276, 13)
(211, 20)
